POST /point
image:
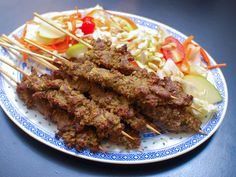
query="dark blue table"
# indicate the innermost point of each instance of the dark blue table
(214, 25)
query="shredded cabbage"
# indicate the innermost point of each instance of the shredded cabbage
(204, 108)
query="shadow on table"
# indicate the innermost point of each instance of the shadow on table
(103, 169)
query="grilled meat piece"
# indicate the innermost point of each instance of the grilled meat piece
(25, 95)
(86, 112)
(80, 140)
(176, 90)
(107, 77)
(75, 106)
(48, 108)
(132, 87)
(29, 85)
(125, 141)
(63, 120)
(173, 87)
(119, 105)
(136, 124)
(104, 55)
(173, 119)
(55, 114)
(112, 102)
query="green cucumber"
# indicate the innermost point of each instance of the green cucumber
(199, 87)
(76, 50)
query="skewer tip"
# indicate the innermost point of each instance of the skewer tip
(152, 129)
(36, 13)
(202, 132)
(101, 148)
(173, 97)
(127, 135)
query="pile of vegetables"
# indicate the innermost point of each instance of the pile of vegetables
(186, 54)
(80, 25)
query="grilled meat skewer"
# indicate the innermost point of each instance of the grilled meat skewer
(44, 83)
(40, 83)
(110, 57)
(106, 56)
(110, 101)
(60, 117)
(85, 111)
(123, 108)
(26, 89)
(132, 87)
(79, 140)
(107, 125)
(176, 120)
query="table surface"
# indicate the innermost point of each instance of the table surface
(213, 24)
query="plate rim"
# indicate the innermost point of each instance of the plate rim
(137, 161)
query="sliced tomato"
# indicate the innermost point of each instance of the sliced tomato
(177, 54)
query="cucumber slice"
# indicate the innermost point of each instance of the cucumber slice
(200, 87)
(76, 50)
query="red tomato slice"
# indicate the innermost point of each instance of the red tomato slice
(177, 54)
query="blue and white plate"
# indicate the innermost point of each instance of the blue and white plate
(153, 148)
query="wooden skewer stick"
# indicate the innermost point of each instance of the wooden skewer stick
(13, 66)
(5, 38)
(16, 43)
(18, 56)
(11, 41)
(11, 50)
(101, 148)
(202, 132)
(152, 129)
(44, 62)
(8, 75)
(173, 97)
(127, 135)
(45, 50)
(34, 58)
(63, 30)
(25, 51)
